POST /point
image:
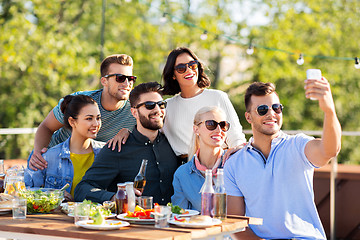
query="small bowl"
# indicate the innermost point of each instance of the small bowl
(42, 200)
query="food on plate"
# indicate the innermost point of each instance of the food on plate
(195, 219)
(98, 218)
(140, 213)
(200, 219)
(42, 200)
(6, 200)
(177, 209)
(68, 208)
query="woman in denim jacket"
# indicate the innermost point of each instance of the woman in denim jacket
(67, 162)
(209, 134)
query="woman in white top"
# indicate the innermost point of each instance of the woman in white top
(184, 76)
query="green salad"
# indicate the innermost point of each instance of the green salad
(42, 200)
(176, 209)
(97, 209)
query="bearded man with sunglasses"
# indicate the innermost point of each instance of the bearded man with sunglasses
(117, 80)
(272, 176)
(110, 167)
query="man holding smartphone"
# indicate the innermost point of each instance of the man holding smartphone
(272, 176)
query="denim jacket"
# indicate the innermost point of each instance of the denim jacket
(60, 168)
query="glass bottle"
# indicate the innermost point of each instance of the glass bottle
(130, 196)
(2, 176)
(207, 195)
(220, 196)
(121, 203)
(140, 180)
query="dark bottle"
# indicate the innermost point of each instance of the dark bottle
(121, 203)
(140, 180)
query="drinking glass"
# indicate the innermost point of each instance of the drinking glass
(19, 208)
(162, 215)
(146, 202)
(81, 212)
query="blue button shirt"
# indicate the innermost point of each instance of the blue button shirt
(187, 184)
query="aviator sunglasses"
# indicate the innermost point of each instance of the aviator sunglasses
(149, 105)
(212, 125)
(120, 78)
(263, 109)
(182, 67)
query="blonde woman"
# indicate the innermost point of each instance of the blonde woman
(209, 133)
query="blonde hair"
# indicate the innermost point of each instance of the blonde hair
(194, 144)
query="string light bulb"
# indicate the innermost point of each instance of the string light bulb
(357, 63)
(204, 36)
(250, 49)
(163, 19)
(300, 60)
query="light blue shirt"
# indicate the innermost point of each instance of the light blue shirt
(59, 170)
(187, 183)
(278, 189)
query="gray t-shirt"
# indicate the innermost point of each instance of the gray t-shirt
(111, 121)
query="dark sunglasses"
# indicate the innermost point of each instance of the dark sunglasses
(149, 105)
(182, 67)
(120, 78)
(263, 109)
(212, 125)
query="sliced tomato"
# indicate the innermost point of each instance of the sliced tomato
(179, 219)
(139, 214)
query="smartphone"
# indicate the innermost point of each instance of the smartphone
(313, 74)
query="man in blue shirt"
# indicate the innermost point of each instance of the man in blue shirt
(272, 176)
(117, 80)
(145, 142)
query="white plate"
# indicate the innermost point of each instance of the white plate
(109, 225)
(5, 210)
(213, 222)
(134, 220)
(191, 213)
(110, 216)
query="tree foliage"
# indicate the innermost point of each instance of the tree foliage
(52, 48)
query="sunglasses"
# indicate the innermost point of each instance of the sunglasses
(263, 109)
(120, 78)
(182, 67)
(149, 105)
(212, 125)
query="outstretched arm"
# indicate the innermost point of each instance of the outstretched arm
(320, 151)
(42, 139)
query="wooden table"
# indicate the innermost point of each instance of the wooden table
(60, 226)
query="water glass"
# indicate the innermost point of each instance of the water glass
(162, 216)
(19, 208)
(81, 212)
(146, 202)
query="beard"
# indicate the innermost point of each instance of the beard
(148, 124)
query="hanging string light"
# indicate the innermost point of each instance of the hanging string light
(250, 49)
(204, 36)
(357, 63)
(163, 19)
(300, 60)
